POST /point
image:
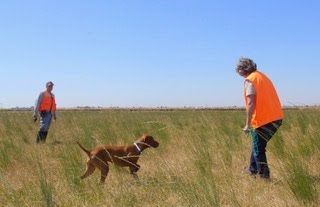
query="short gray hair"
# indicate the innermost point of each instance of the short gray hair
(246, 66)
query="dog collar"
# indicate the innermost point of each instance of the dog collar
(136, 145)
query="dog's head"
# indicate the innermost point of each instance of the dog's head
(148, 141)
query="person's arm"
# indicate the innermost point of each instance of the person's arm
(250, 110)
(53, 112)
(54, 115)
(37, 105)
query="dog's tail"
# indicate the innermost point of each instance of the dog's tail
(84, 149)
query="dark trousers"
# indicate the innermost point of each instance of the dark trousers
(260, 138)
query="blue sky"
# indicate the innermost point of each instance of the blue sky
(150, 53)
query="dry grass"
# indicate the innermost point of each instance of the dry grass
(199, 162)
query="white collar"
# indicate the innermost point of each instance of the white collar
(135, 144)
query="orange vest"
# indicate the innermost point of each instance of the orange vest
(267, 104)
(48, 102)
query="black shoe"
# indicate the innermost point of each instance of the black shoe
(41, 137)
(45, 134)
(264, 176)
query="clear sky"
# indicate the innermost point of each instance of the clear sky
(150, 53)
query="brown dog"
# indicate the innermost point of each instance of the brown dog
(124, 156)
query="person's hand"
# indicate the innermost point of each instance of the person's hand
(54, 118)
(35, 119)
(246, 129)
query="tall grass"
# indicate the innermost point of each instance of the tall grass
(45, 188)
(301, 182)
(199, 162)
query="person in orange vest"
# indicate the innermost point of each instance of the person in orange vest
(46, 106)
(264, 114)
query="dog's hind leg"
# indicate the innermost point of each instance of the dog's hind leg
(104, 173)
(89, 171)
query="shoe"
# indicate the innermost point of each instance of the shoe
(41, 137)
(247, 171)
(264, 176)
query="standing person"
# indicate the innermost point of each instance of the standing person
(264, 114)
(46, 106)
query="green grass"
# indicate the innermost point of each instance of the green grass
(45, 188)
(199, 162)
(300, 181)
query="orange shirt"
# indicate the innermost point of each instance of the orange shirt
(267, 103)
(48, 102)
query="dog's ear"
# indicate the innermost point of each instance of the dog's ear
(143, 138)
(148, 138)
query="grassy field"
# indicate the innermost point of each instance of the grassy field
(199, 162)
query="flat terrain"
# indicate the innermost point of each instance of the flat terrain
(199, 162)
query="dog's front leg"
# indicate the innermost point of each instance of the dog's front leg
(133, 170)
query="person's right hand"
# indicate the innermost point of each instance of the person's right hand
(246, 129)
(35, 119)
